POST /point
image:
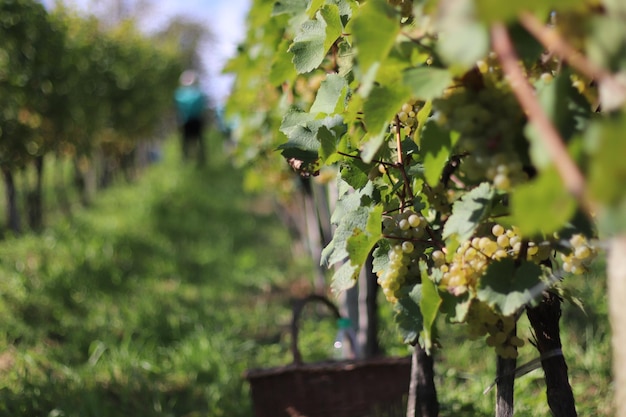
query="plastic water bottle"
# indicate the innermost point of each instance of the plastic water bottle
(343, 347)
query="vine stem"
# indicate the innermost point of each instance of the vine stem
(422, 401)
(407, 184)
(571, 176)
(544, 319)
(505, 392)
(399, 141)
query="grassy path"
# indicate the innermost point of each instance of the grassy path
(151, 303)
(154, 301)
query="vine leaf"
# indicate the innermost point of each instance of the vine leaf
(345, 277)
(328, 142)
(361, 243)
(331, 95)
(291, 7)
(315, 38)
(408, 314)
(607, 173)
(455, 307)
(468, 212)
(355, 174)
(314, 7)
(282, 68)
(436, 146)
(496, 10)
(334, 27)
(375, 29)
(302, 131)
(463, 39)
(507, 288)
(427, 83)
(357, 233)
(531, 200)
(565, 107)
(429, 304)
(381, 105)
(308, 46)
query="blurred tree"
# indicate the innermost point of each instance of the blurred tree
(189, 37)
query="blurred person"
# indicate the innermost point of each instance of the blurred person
(191, 107)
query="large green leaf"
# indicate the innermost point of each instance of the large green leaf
(350, 199)
(355, 237)
(302, 131)
(328, 144)
(374, 29)
(429, 305)
(371, 146)
(542, 205)
(462, 40)
(497, 10)
(427, 83)
(331, 95)
(308, 46)
(507, 287)
(291, 7)
(355, 174)
(468, 212)
(566, 107)
(361, 243)
(345, 277)
(408, 314)
(282, 66)
(436, 146)
(379, 109)
(607, 171)
(315, 38)
(314, 6)
(334, 28)
(351, 224)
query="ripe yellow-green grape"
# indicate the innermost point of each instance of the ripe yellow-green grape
(404, 231)
(581, 255)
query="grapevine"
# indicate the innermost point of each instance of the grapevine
(468, 137)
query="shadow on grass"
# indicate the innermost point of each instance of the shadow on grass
(151, 310)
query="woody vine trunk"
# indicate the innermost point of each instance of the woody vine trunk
(544, 320)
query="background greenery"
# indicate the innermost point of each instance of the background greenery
(154, 301)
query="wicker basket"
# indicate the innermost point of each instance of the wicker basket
(352, 388)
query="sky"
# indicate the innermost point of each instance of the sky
(224, 18)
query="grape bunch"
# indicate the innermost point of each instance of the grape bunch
(470, 261)
(500, 330)
(407, 116)
(488, 120)
(581, 254)
(405, 232)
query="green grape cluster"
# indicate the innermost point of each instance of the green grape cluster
(470, 261)
(405, 231)
(578, 259)
(407, 116)
(488, 120)
(500, 330)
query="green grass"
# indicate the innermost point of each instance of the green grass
(151, 303)
(155, 300)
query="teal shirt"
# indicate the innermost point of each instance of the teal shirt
(190, 103)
